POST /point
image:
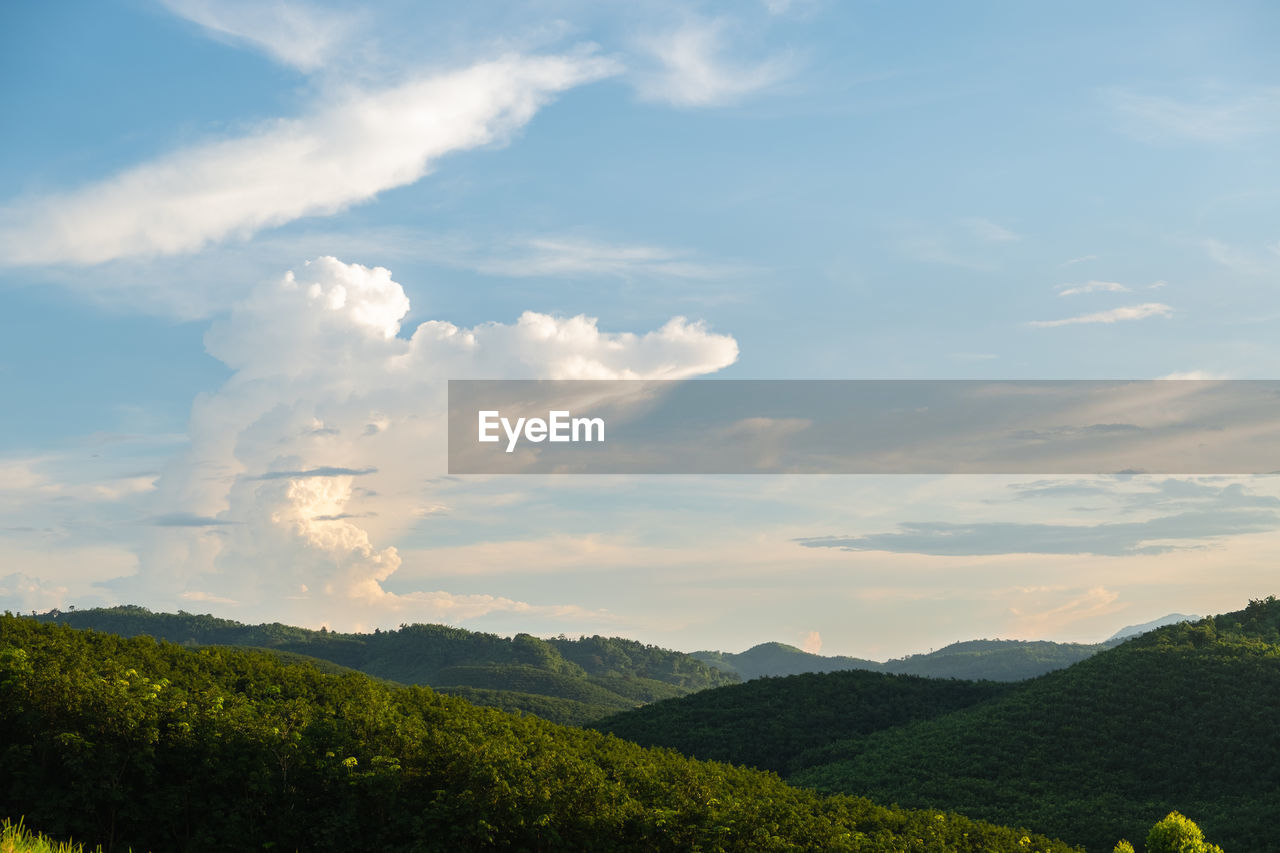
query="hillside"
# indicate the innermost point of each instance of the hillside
(1186, 717)
(769, 722)
(992, 660)
(564, 680)
(134, 743)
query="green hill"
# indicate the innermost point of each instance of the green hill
(134, 743)
(992, 660)
(769, 722)
(579, 680)
(1186, 717)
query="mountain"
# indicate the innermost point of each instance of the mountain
(773, 659)
(994, 660)
(1135, 630)
(768, 722)
(563, 680)
(1185, 717)
(145, 745)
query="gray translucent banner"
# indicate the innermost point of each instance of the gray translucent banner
(863, 427)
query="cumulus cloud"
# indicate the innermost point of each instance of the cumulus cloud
(1115, 315)
(692, 68)
(286, 499)
(291, 33)
(342, 154)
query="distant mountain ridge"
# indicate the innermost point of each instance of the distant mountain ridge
(1135, 630)
(563, 680)
(976, 660)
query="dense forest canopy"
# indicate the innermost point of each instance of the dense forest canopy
(1185, 717)
(561, 679)
(133, 742)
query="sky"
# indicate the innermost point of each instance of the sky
(243, 245)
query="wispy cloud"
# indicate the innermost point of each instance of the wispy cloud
(295, 34)
(1091, 287)
(1234, 258)
(323, 471)
(988, 231)
(342, 154)
(695, 70)
(1154, 536)
(1080, 260)
(1216, 117)
(188, 519)
(1115, 315)
(569, 256)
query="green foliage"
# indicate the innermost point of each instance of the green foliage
(594, 675)
(133, 742)
(16, 838)
(566, 712)
(1178, 834)
(1122, 846)
(1187, 716)
(774, 723)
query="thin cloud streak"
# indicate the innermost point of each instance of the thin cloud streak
(1115, 315)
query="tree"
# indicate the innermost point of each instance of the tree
(1177, 834)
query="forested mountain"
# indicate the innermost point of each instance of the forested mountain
(1186, 718)
(130, 743)
(995, 660)
(563, 680)
(770, 722)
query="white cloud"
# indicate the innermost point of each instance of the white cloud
(811, 642)
(694, 71)
(1216, 117)
(342, 154)
(294, 34)
(305, 495)
(1092, 287)
(1115, 315)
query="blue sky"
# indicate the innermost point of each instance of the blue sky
(823, 189)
